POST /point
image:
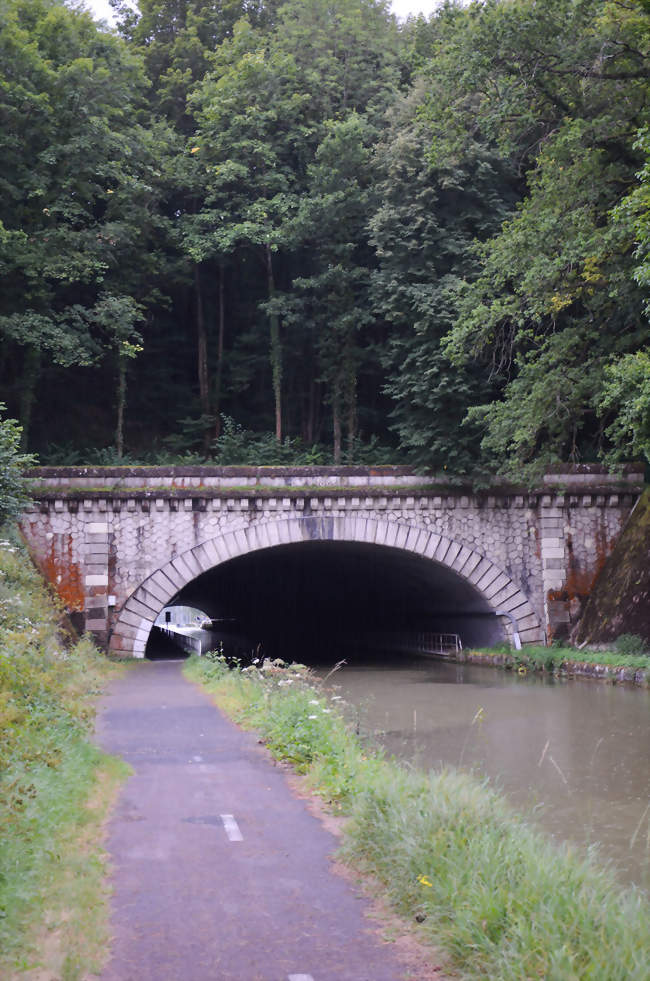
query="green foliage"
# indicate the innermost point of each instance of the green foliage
(570, 87)
(13, 486)
(48, 769)
(423, 232)
(634, 210)
(632, 653)
(631, 645)
(297, 721)
(627, 391)
(332, 294)
(310, 219)
(239, 446)
(235, 446)
(75, 191)
(498, 897)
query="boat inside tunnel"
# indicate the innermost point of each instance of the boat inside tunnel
(321, 601)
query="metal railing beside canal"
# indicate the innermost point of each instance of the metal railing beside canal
(420, 642)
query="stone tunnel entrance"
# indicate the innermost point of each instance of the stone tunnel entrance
(318, 601)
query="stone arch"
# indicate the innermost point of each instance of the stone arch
(138, 613)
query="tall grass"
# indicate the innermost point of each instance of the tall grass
(51, 875)
(500, 898)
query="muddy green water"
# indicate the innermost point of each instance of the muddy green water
(573, 755)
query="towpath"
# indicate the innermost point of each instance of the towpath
(219, 872)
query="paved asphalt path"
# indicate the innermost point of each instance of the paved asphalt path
(219, 872)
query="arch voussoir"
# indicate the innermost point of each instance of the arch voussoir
(174, 574)
(431, 545)
(201, 556)
(253, 538)
(460, 561)
(294, 532)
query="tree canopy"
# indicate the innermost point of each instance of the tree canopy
(228, 227)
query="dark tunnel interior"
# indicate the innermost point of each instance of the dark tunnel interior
(318, 601)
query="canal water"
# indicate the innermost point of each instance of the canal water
(572, 755)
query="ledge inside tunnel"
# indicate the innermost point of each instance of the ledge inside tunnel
(319, 601)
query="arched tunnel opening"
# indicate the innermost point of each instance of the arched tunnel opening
(318, 602)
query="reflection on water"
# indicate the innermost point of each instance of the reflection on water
(572, 753)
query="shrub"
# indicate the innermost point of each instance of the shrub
(632, 645)
(13, 486)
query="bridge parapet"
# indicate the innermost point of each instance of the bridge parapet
(102, 534)
(120, 481)
(216, 479)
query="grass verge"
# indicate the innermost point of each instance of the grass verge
(55, 785)
(496, 895)
(604, 665)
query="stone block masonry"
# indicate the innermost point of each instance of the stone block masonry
(119, 543)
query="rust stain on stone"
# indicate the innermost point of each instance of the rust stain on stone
(112, 567)
(565, 604)
(580, 581)
(63, 573)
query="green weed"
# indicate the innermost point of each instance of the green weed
(555, 658)
(55, 784)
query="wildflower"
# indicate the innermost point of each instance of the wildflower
(312, 716)
(327, 711)
(313, 701)
(109, 191)
(425, 881)
(195, 149)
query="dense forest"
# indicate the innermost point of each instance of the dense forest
(261, 231)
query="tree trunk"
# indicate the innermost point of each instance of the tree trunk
(311, 414)
(31, 374)
(276, 348)
(351, 400)
(121, 405)
(202, 359)
(220, 340)
(336, 424)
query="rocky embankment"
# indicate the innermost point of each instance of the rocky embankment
(619, 602)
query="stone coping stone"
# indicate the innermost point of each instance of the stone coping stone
(553, 471)
(214, 471)
(449, 496)
(71, 491)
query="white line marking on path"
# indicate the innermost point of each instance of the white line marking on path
(232, 828)
(300, 977)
